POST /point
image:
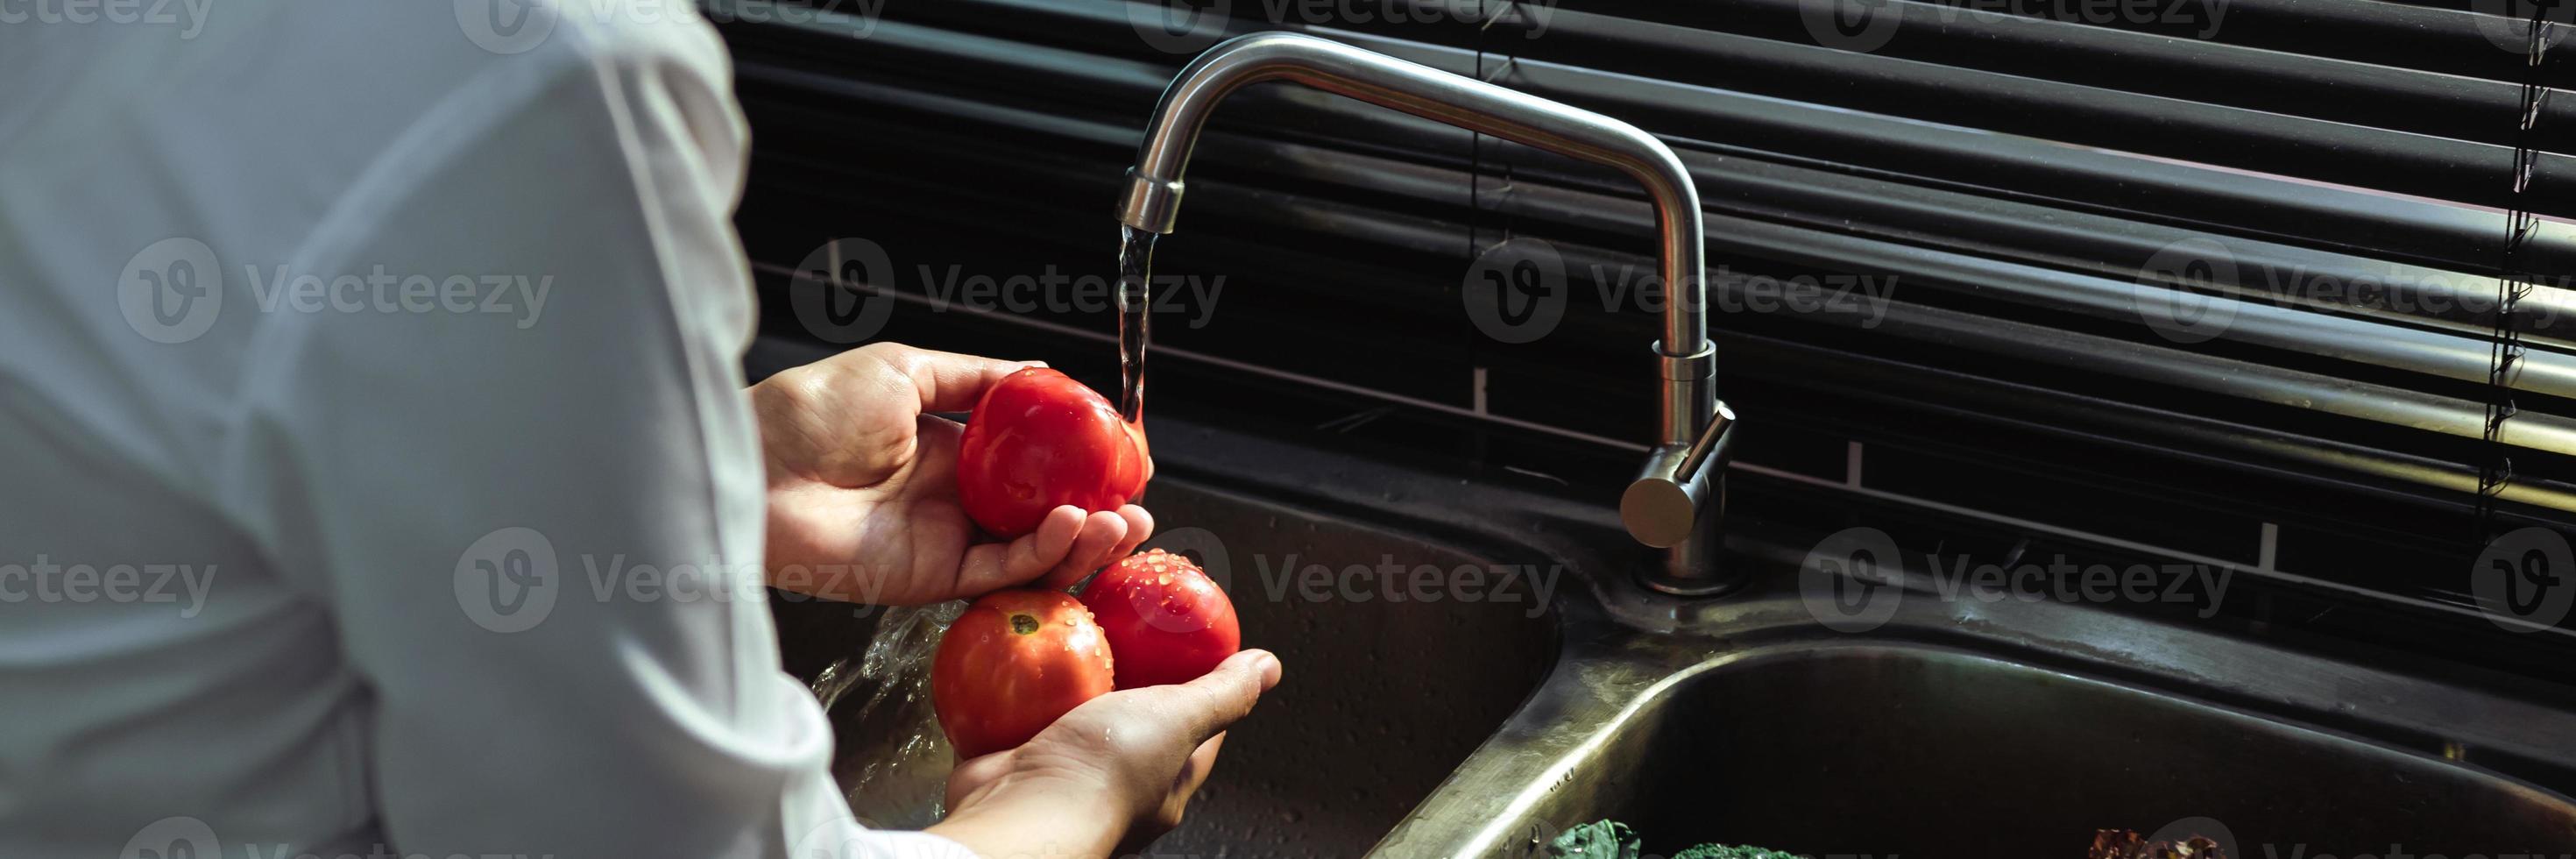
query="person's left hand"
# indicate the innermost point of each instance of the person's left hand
(863, 486)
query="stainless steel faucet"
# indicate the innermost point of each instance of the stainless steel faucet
(1677, 503)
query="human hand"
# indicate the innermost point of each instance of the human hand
(1112, 774)
(863, 487)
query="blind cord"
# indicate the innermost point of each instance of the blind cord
(2514, 279)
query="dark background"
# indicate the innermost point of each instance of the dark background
(2016, 172)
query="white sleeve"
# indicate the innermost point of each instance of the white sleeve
(530, 492)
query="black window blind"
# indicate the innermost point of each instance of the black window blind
(2351, 188)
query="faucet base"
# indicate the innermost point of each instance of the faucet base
(1697, 566)
(1695, 590)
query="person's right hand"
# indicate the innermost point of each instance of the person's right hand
(1112, 774)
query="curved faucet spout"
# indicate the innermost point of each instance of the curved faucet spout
(1674, 503)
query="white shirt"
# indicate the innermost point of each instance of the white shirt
(375, 474)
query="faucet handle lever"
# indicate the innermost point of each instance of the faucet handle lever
(1663, 504)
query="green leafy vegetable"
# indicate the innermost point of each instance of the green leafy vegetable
(1600, 839)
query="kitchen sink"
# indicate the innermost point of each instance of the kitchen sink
(1873, 750)
(1954, 728)
(1380, 700)
(1961, 728)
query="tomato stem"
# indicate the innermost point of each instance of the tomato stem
(1023, 624)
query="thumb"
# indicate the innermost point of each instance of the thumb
(1206, 706)
(948, 381)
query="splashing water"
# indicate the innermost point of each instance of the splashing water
(893, 762)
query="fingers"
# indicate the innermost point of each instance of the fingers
(946, 381)
(1102, 533)
(1068, 545)
(1202, 762)
(973, 774)
(1222, 697)
(989, 567)
(1140, 527)
(1195, 772)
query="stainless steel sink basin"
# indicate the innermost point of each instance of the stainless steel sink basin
(1967, 729)
(1380, 700)
(1957, 728)
(1877, 750)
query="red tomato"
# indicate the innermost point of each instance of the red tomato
(1039, 440)
(1015, 661)
(1165, 621)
